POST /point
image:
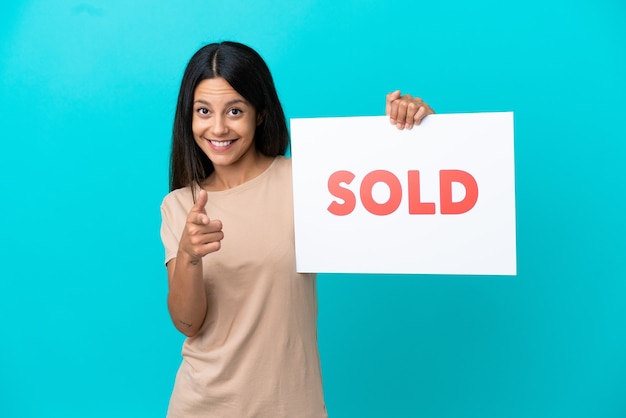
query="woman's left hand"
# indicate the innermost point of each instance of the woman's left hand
(404, 111)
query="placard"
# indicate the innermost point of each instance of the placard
(437, 199)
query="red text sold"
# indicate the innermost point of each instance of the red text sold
(339, 180)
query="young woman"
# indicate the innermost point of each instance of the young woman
(227, 228)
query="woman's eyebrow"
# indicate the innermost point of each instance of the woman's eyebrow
(230, 103)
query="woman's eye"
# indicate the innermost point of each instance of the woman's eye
(202, 110)
(235, 112)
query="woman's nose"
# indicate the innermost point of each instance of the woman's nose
(219, 125)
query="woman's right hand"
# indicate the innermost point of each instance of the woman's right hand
(201, 235)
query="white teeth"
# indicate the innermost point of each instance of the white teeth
(221, 143)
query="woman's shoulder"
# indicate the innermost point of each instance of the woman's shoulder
(280, 170)
(178, 199)
(282, 163)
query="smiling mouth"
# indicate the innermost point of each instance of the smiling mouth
(221, 144)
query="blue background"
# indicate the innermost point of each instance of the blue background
(87, 95)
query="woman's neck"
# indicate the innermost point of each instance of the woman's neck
(233, 175)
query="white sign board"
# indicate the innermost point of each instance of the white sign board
(437, 199)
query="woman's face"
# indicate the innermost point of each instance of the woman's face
(223, 123)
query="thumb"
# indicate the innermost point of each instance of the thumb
(201, 202)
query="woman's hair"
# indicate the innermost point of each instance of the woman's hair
(247, 73)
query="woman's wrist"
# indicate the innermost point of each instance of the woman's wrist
(186, 258)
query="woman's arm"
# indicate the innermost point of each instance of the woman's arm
(186, 299)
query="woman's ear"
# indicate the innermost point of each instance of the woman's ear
(259, 118)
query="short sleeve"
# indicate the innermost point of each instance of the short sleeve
(174, 209)
(173, 218)
(169, 238)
